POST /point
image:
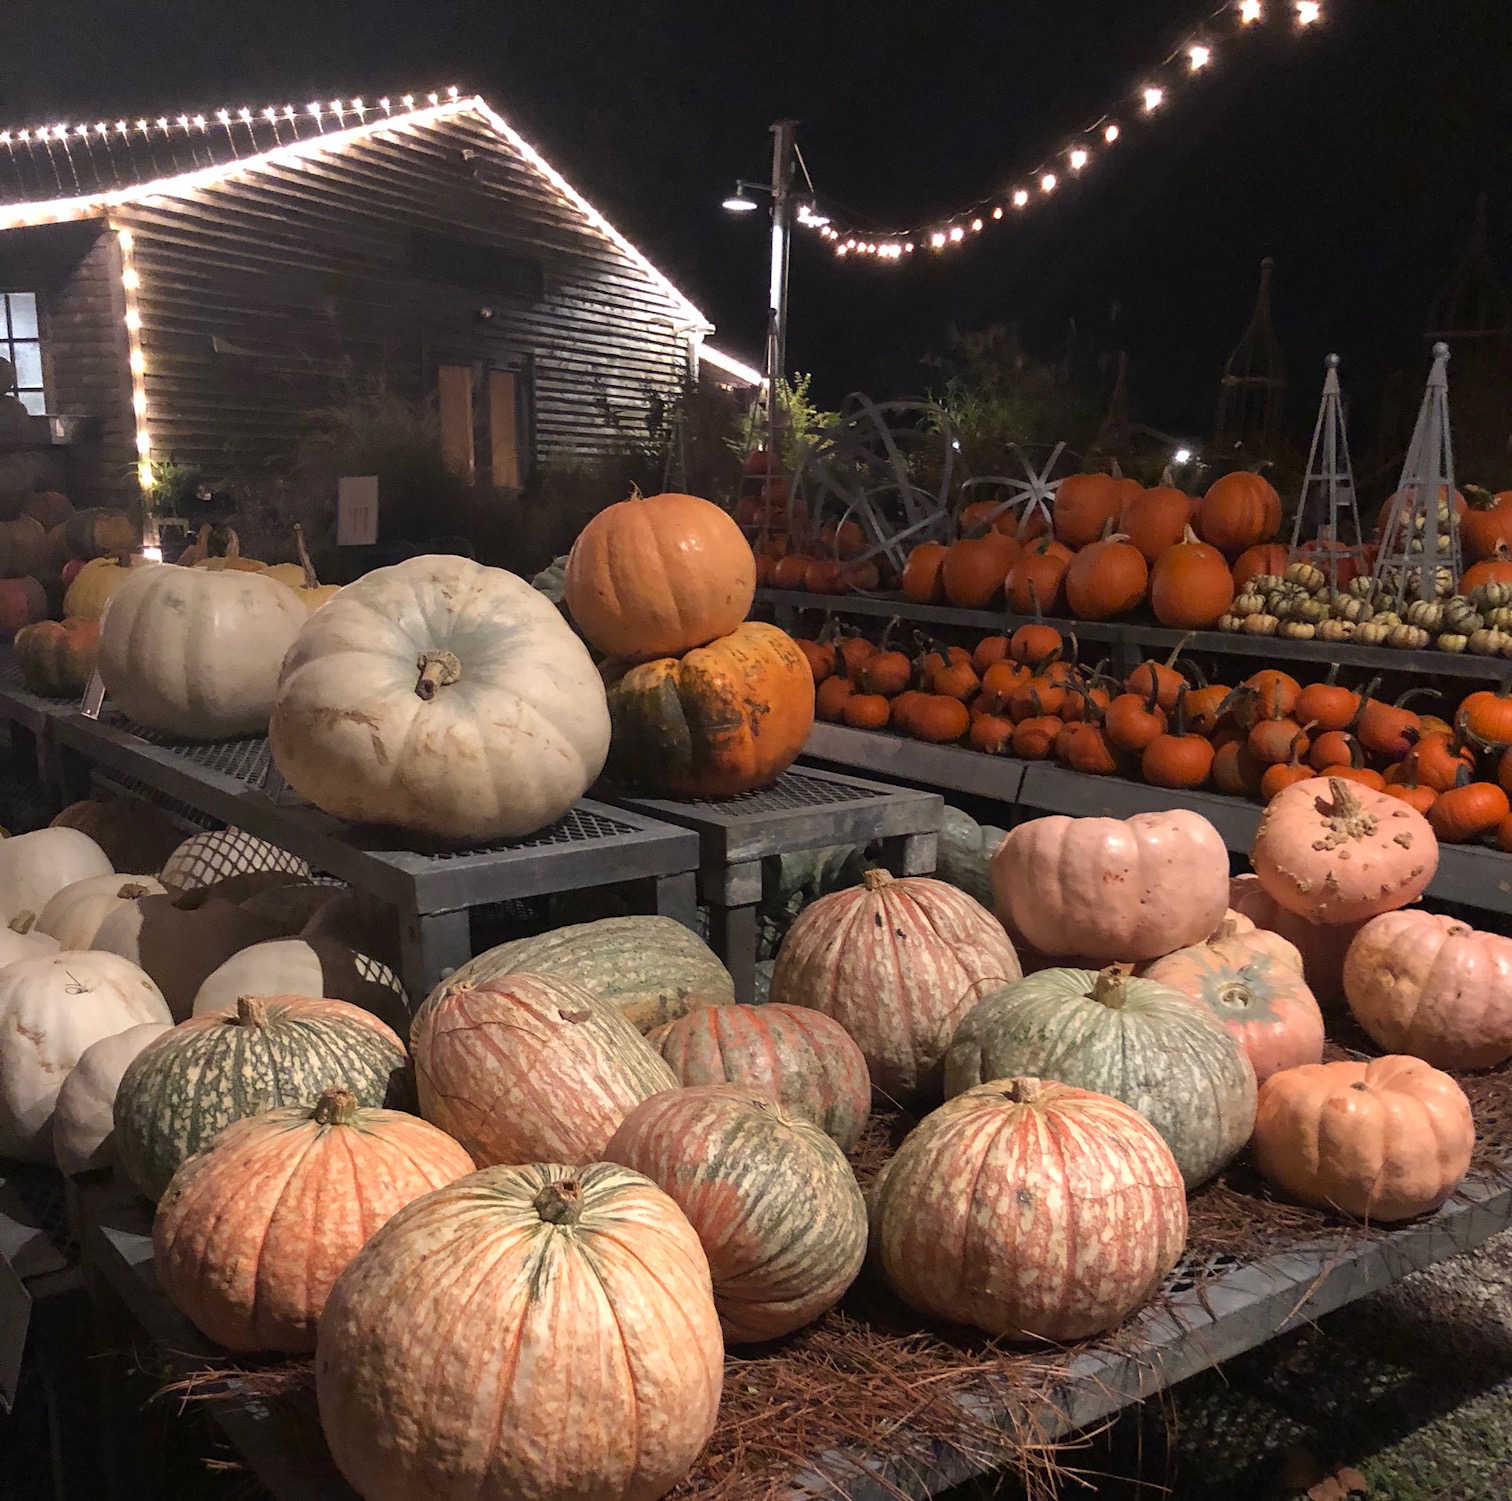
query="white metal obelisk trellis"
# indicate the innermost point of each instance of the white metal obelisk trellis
(1418, 557)
(1329, 489)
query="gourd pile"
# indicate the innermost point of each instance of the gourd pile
(582, 1171)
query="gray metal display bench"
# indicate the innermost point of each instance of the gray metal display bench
(805, 809)
(229, 780)
(29, 717)
(1199, 1325)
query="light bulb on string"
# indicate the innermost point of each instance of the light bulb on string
(1048, 183)
(957, 233)
(976, 226)
(937, 240)
(1079, 159)
(1309, 12)
(1153, 99)
(1250, 11)
(1199, 56)
(997, 213)
(1021, 198)
(1111, 134)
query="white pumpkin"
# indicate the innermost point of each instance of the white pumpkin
(35, 867)
(444, 698)
(320, 967)
(74, 914)
(23, 941)
(51, 1010)
(204, 859)
(83, 1122)
(196, 654)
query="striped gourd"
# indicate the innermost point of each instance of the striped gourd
(530, 1068)
(653, 968)
(802, 1058)
(773, 1200)
(897, 964)
(267, 1053)
(1030, 1210)
(1152, 1047)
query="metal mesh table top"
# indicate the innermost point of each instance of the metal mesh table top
(792, 792)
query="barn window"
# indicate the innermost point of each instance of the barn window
(479, 267)
(21, 344)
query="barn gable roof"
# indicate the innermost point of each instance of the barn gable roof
(65, 172)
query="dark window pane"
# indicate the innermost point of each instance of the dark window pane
(465, 263)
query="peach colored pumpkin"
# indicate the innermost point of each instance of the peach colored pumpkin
(897, 963)
(1434, 987)
(253, 1231)
(1384, 1140)
(1337, 851)
(1112, 889)
(1321, 945)
(1253, 984)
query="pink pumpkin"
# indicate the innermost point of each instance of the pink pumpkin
(1112, 889)
(1321, 945)
(1253, 983)
(1336, 851)
(1432, 987)
(897, 964)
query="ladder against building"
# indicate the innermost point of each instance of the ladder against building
(1420, 545)
(1327, 510)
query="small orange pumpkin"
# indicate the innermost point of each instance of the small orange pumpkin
(866, 711)
(1496, 569)
(1178, 759)
(921, 574)
(1264, 558)
(1487, 522)
(1037, 579)
(1467, 810)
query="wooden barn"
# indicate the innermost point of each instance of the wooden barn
(195, 288)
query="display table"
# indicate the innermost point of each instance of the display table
(29, 718)
(805, 809)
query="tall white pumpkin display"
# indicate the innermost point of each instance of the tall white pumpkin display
(35, 867)
(444, 698)
(194, 653)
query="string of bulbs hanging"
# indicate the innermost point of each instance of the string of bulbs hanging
(1153, 95)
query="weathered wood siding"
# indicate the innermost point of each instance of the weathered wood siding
(265, 296)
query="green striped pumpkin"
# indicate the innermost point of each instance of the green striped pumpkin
(1152, 1047)
(185, 1088)
(772, 1198)
(653, 968)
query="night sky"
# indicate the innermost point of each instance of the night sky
(1353, 154)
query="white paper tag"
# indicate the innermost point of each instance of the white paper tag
(357, 510)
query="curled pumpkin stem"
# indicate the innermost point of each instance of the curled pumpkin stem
(438, 669)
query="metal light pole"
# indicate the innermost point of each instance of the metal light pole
(783, 136)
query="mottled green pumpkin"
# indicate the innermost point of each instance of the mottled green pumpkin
(803, 1059)
(1155, 1049)
(185, 1088)
(653, 968)
(773, 1200)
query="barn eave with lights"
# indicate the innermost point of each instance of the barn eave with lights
(192, 290)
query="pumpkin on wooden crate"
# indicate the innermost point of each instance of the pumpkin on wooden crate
(1434, 987)
(51, 1009)
(573, 1348)
(727, 718)
(655, 576)
(1152, 1047)
(1383, 1140)
(58, 658)
(74, 914)
(95, 584)
(774, 1202)
(181, 1091)
(529, 1068)
(84, 1120)
(251, 1233)
(1253, 983)
(35, 867)
(1112, 889)
(897, 963)
(440, 697)
(802, 1058)
(1079, 1169)
(1337, 852)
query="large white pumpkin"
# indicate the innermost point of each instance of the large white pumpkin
(24, 942)
(35, 867)
(74, 914)
(84, 1120)
(51, 1010)
(444, 698)
(196, 654)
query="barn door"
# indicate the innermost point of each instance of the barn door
(485, 422)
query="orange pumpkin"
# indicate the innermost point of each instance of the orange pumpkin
(820, 656)
(991, 733)
(1467, 810)
(1236, 772)
(725, 718)
(1178, 759)
(1326, 705)
(1106, 580)
(1156, 521)
(1037, 579)
(790, 571)
(975, 567)
(1132, 721)
(58, 660)
(824, 576)
(829, 701)
(1239, 511)
(1496, 569)
(1085, 505)
(22, 602)
(866, 711)
(1191, 586)
(1487, 522)
(1264, 558)
(1487, 714)
(938, 718)
(921, 574)
(1034, 739)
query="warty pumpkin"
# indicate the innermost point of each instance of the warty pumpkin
(725, 719)
(251, 1233)
(574, 1348)
(1079, 1169)
(655, 576)
(897, 963)
(772, 1199)
(58, 659)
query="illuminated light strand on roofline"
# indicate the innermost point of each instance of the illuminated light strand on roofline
(730, 365)
(131, 283)
(1151, 98)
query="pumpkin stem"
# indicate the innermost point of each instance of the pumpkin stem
(312, 579)
(438, 669)
(251, 1011)
(1108, 989)
(875, 880)
(336, 1107)
(560, 1203)
(131, 891)
(233, 544)
(1349, 819)
(1023, 1091)
(22, 923)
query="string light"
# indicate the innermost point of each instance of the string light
(130, 284)
(1250, 11)
(1111, 134)
(1079, 159)
(1021, 198)
(1199, 56)
(1309, 12)
(997, 213)
(1048, 182)
(1153, 99)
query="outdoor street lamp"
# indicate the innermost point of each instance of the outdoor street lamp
(738, 202)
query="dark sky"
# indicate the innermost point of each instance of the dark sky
(1353, 154)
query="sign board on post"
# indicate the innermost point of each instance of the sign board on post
(357, 510)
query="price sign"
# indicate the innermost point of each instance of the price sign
(357, 510)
